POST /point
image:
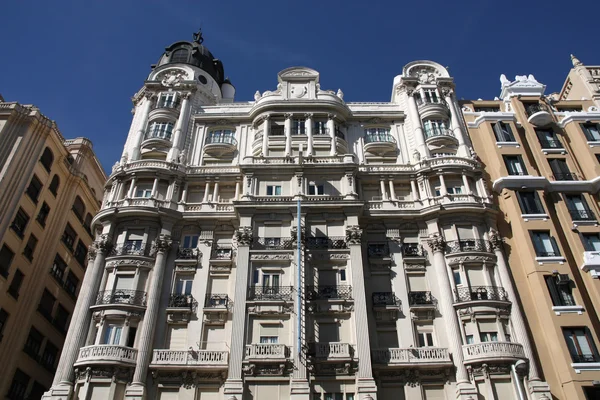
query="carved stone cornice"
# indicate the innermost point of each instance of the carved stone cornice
(162, 244)
(436, 242)
(353, 234)
(244, 236)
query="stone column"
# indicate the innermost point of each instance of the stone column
(139, 134)
(62, 386)
(215, 197)
(443, 189)
(154, 187)
(182, 122)
(536, 386)
(415, 119)
(331, 129)
(392, 190)
(308, 123)
(453, 330)
(131, 190)
(467, 185)
(206, 191)
(455, 122)
(265, 139)
(384, 195)
(234, 385)
(236, 196)
(184, 193)
(160, 247)
(365, 384)
(414, 190)
(299, 387)
(288, 134)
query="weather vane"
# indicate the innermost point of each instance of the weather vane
(198, 36)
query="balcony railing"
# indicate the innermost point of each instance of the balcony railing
(274, 293)
(217, 301)
(331, 242)
(565, 176)
(107, 353)
(582, 215)
(551, 144)
(331, 350)
(187, 254)
(476, 293)
(158, 134)
(280, 243)
(386, 299)
(219, 139)
(585, 358)
(544, 253)
(430, 133)
(133, 249)
(492, 351)
(378, 250)
(164, 103)
(183, 301)
(379, 138)
(533, 108)
(267, 351)
(412, 250)
(190, 357)
(459, 246)
(411, 355)
(329, 292)
(122, 296)
(221, 253)
(421, 298)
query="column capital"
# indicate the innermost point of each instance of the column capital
(353, 234)
(446, 91)
(495, 239)
(150, 95)
(294, 235)
(288, 115)
(331, 116)
(404, 87)
(104, 243)
(186, 95)
(436, 242)
(244, 236)
(308, 115)
(162, 244)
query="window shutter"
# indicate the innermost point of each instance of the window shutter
(434, 392)
(487, 326)
(178, 338)
(269, 330)
(503, 389)
(417, 283)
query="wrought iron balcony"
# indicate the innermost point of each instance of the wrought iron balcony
(537, 114)
(183, 301)
(438, 132)
(477, 293)
(158, 134)
(122, 296)
(130, 248)
(582, 215)
(167, 103)
(386, 299)
(585, 358)
(273, 243)
(565, 176)
(413, 250)
(378, 250)
(543, 253)
(270, 293)
(331, 242)
(551, 144)
(221, 253)
(187, 254)
(329, 292)
(379, 137)
(459, 246)
(217, 301)
(421, 298)
(221, 139)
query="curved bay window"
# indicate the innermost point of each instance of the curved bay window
(221, 136)
(378, 135)
(160, 130)
(436, 127)
(179, 56)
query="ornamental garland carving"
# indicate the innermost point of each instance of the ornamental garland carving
(244, 236)
(353, 234)
(271, 257)
(436, 242)
(161, 244)
(173, 77)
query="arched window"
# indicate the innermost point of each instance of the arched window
(87, 223)
(179, 56)
(54, 185)
(47, 159)
(79, 208)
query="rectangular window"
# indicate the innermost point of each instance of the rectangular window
(18, 386)
(487, 109)
(425, 339)
(578, 208)
(33, 343)
(515, 165)
(530, 203)
(71, 284)
(320, 128)
(560, 170)
(190, 241)
(488, 331)
(544, 244)
(112, 334)
(69, 236)
(470, 339)
(49, 356)
(581, 345)
(3, 320)
(20, 223)
(591, 131)
(548, 139)
(30, 247)
(145, 192)
(560, 289)
(61, 320)
(43, 214)
(183, 285)
(15, 284)
(314, 189)
(457, 278)
(435, 128)
(298, 127)
(58, 268)
(591, 241)
(503, 132)
(46, 304)
(167, 100)
(34, 189)
(6, 257)
(342, 275)
(81, 253)
(273, 190)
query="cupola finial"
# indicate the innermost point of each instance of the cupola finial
(575, 61)
(198, 36)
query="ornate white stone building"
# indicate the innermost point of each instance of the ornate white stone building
(201, 286)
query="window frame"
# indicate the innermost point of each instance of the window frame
(538, 252)
(585, 128)
(274, 189)
(20, 222)
(524, 205)
(54, 185)
(47, 159)
(34, 189)
(579, 355)
(503, 132)
(559, 296)
(509, 167)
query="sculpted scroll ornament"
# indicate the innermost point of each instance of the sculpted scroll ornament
(436, 242)
(244, 236)
(353, 234)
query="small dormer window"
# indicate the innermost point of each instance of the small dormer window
(179, 56)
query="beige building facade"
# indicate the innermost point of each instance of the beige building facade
(541, 156)
(51, 189)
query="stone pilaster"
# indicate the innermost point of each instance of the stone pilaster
(308, 123)
(365, 384)
(179, 128)
(266, 133)
(234, 385)
(139, 134)
(62, 386)
(137, 390)
(455, 123)
(288, 134)
(331, 129)
(413, 113)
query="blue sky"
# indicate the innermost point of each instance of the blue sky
(81, 61)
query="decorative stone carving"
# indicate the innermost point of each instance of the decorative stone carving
(104, 243)
(91, 255)
(294, 235)
(257, 96)
(173, 77)
(436, 242)
(495, 239)
(271, 257)
(161, 244)
(340, 94)
(244, 236)
(182, 158)
(353, 234)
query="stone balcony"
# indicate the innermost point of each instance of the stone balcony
(538, 114)
(480, 295)
(267, 352)
(432, 109)
(379, 143)
(218, 145)
(175, 359)
(591, 263)
(468, 246)
(331, 351)
(494, 352)
(107, 354)
(121, 298)
(412, 357)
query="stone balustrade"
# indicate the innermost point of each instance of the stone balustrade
(332, 350)
(190, 357)
(493, 351)
(413, 355)
(106, 354)
(267, 351)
